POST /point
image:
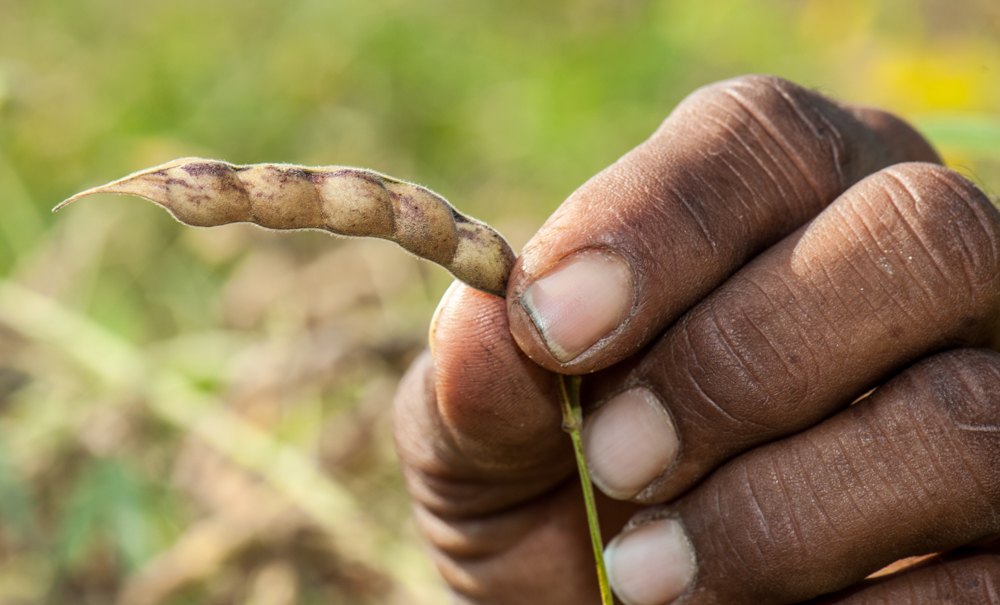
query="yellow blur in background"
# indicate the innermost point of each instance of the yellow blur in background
(203, 415)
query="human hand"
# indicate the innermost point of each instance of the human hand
(731, 287)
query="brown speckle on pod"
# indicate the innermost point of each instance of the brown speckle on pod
(341, 200)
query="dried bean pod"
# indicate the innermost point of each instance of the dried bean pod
(341, 200)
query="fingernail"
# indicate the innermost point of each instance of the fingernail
(651, 564)
(629, 441)
(580, 302)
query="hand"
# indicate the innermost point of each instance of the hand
(734, 288)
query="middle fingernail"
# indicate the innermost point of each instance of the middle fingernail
(629, 441)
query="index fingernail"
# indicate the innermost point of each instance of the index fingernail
(580, 302)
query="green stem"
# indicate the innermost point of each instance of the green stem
(569, 388)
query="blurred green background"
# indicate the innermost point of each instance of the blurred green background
(202, 416)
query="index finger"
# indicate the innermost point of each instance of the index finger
(737, 166)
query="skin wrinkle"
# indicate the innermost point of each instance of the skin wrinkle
(756, 190)
(448, 433)
(696, 412)
(790, 371)
(844, 229)
(957, 442)
(724, 336)
(698, 219)
(721, 337)
(663, 217)
(911, 589)
(724, 200)
(696, 383)
(478, 499)
(861, 277)
(843, 450)
(779, 162)
(461, 451)
(832, 134)
(480, 577)
(990, 231)
(887, 474)
(833, 315)
(830, 284)
(876, 243)
(990, 228)
(664, 258)
(865, 487)
(799, 544)
(915, 200)
(961, 241)
(838, 148)
(969, 280)
(868, 300)
(963, 377)
(726, 537)
(500, 517)
(746, 209)
(958, 447)
(776, 306)
(979, 428)
(925, 444)
(797, 467)
(817, 494)
(455, 542)
(792, 155)
(758, 511)
(442, 442)
(616, 211)
(749, 152)
(461, 581)
(752, 191)
(918, 483)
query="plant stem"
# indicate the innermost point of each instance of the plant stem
(569, 390)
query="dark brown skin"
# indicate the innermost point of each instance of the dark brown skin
(785, 255)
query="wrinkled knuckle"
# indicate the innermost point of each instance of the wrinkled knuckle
(766, 101)
(950, 227)
(764, 87)
(751, 528)
(791, 130)
(736, 375)
(964, 388)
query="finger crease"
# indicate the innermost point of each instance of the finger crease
(788, 149)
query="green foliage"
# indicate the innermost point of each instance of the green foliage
(970, 133)
(105, 503)
(15, 503)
